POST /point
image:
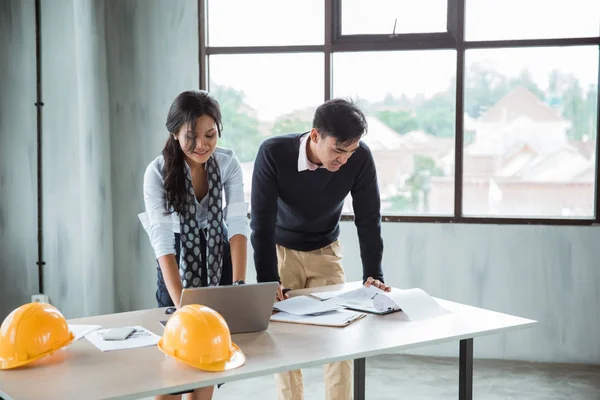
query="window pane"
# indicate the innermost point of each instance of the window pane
(378, 17)
(409, 100)
(533, 113)
(263, 95)
(265, 22)
(531, 19)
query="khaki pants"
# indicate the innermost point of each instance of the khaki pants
(305, 269)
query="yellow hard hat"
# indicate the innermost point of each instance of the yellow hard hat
(199, 336)
(30, 332)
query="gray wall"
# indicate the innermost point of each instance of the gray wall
(547, 273)
(153, 56)
(76, 158)
(107, 91)
(109, 72)
(18, 219)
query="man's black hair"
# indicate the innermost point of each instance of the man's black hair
(341, 119)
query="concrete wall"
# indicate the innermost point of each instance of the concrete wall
(76, 158)
(109, 73)
(547, 273)
(18, 191)
(153, 56)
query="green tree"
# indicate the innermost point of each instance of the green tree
(240, 127)
(574, 109)
(591, 110)
(556, 82)
(437, 115)
(567, 95)
(417, 186)
(290, 124)
(400, 121)
(525, 79)
(389, 100)
(483, 88)
(434, 115)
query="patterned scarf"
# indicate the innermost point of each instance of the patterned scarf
(191, 256)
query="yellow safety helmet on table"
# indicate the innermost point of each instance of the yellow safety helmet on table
(199, 336)
(30, 332)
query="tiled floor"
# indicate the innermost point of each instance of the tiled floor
(399, 377)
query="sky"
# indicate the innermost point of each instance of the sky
(275, 84)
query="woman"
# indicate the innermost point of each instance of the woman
(185, 211)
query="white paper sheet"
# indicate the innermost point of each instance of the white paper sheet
(82, 330)
(142, 337)
(328, 295)
(304, 305)
(333, 318)
(359, 299)
(414, 302)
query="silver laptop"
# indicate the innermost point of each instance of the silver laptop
(246, 308)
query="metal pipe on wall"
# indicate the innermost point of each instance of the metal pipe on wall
(39, 104)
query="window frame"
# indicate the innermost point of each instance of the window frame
(453, 39)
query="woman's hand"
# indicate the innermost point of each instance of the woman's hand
(170, 272)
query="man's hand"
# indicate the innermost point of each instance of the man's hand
(378, 284)
(280, 295)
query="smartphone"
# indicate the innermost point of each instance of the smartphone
(118, 333)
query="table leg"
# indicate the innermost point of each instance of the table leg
(465, 370)
(359, 378)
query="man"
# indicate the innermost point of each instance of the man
(299, 185)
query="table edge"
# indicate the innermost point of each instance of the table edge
(290, 367)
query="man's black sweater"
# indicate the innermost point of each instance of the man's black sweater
(300, 210)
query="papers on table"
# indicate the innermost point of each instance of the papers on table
(360, 299)
(304, 305)
(82, 330)
(310, 311)
(415, 303)
(333, 318)
(142, 337)
(328, 295)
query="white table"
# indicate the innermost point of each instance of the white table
(82, 371)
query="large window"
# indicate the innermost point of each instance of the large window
(262, 95)
(531, 19)
(534, 111)
(265, 22)
(478, 111)
(410, 109)
(393, 16)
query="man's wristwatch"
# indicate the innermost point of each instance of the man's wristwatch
(240, 282)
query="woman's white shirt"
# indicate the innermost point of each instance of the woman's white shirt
(161, 226)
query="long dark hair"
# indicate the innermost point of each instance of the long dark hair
(186, 108)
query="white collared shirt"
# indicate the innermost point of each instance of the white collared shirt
(161, 228)
(303, 162)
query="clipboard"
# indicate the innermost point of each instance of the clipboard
(334, 319)
(362, 299)
(369, 309)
